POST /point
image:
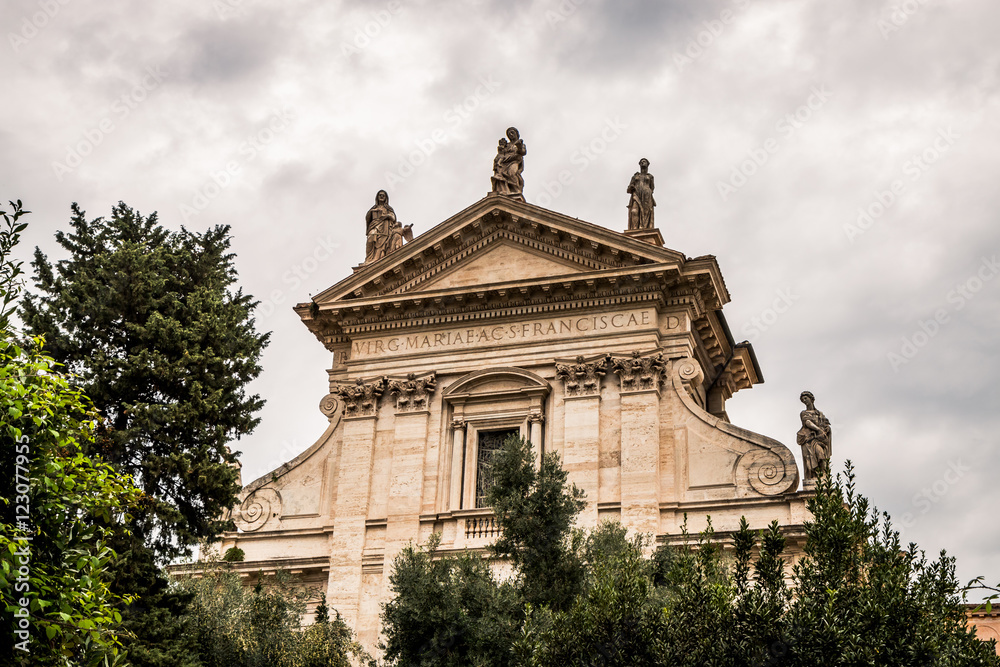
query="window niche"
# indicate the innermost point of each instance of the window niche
(485, 408)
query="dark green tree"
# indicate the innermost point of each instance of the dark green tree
(152, 324)
(856, 598)
(154, 329)
(448, 611)
(59, 503)
(863, 598)
(233, 625)
(535, 510)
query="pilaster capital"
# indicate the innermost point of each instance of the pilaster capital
(361, 398)
(582, 377)
(640, 372)
(413, 394)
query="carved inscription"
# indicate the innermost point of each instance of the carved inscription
(504, 334)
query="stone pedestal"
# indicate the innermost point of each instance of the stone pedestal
(648, 235)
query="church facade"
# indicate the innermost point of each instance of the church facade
(507, 318)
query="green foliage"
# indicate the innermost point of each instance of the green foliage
(237, 626)
(10, 270)
(855, 598)
(151, 323)
(234, 555)
(448, 612)
(535, 511)
(60, 506)
(861, 598)
(323, 610)
(613, 621)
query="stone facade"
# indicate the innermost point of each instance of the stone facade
(987, 624)
(602, 346)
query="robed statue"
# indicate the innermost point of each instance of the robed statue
(814, 437)
(640, 206)
(508, 165)
(385, 233)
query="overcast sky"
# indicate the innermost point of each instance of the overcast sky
(769, 127)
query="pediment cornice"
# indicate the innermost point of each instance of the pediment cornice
(491, 220)
(602, 268)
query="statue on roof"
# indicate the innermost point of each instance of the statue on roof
(508, 165)
(640, 206)
(814, 437)
(385, 233)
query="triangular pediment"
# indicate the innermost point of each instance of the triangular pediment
(497, 262)
(526, 240)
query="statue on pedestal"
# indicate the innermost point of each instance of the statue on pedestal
(508, 165)
(640, 206)
(814, 437)
(385, 233)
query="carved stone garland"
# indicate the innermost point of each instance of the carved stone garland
(412, 394)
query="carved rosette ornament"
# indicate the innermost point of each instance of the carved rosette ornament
(256, 509)
(582, 378)
(413, 394)
(361, 398)
(639, 373)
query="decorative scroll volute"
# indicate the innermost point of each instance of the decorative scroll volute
(413, 394)
(329, 405)
(257, 509)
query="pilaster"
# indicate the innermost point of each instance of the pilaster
(640, 377)
(581, 434)
(351, 508)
